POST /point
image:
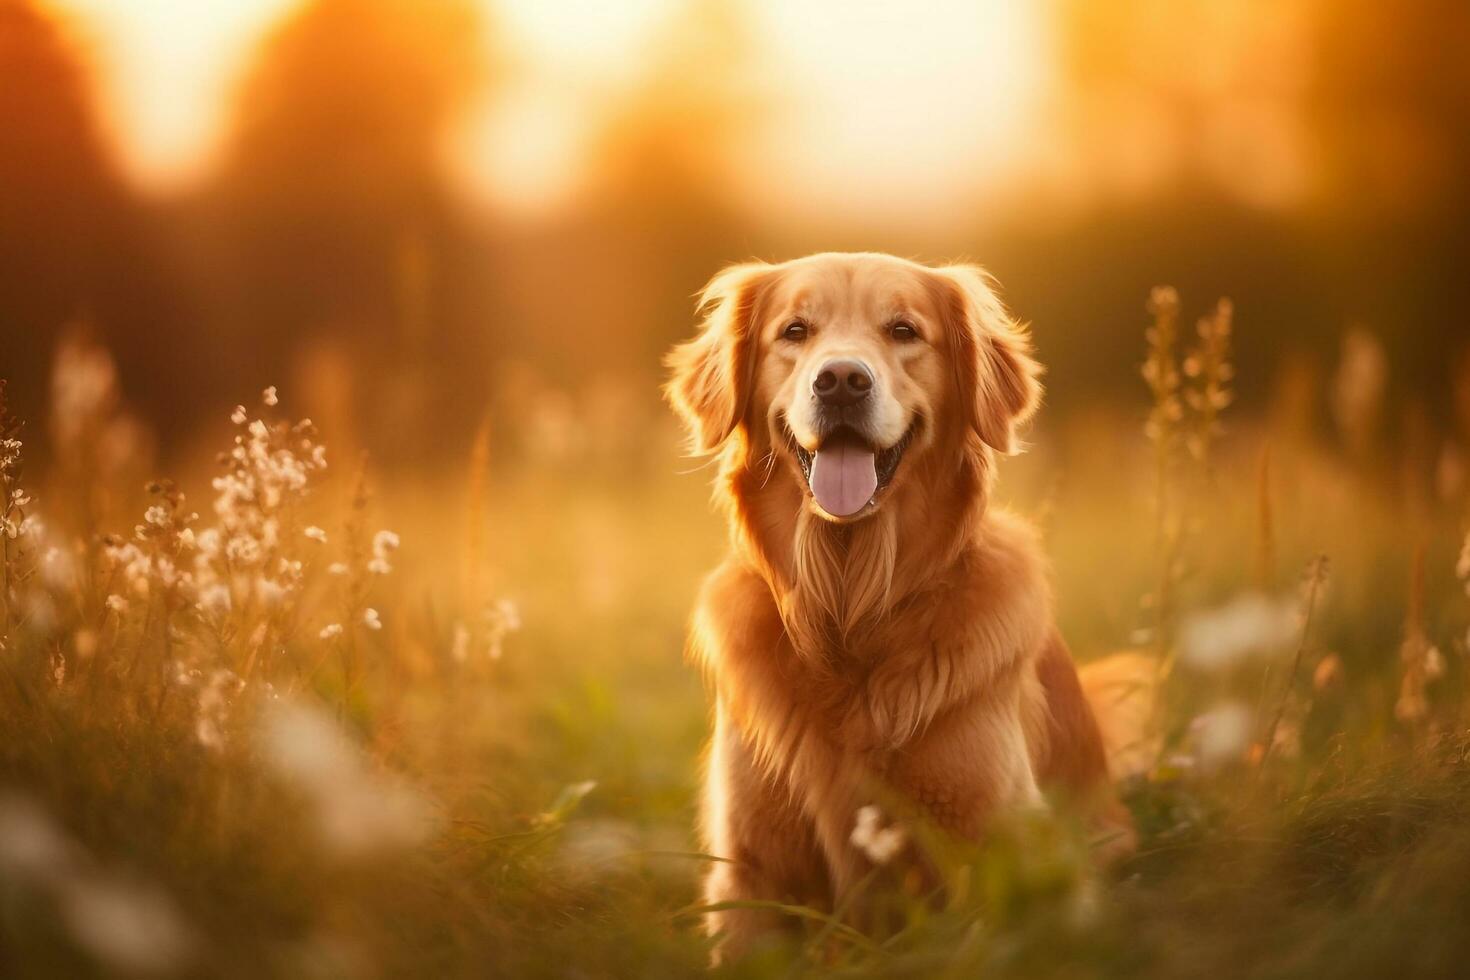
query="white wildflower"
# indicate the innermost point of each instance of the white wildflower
(58, 568)
(84, 390)
(214, 599)
(1222, 733)
(117, 604)
(269, 398)
(1247, 626)
(270, 592)
(459, 647)
(157, 515)
(507, 614)
(337, 568)
(316, 534)
(384, 544)
(1433, 664)
(238, 416)
(214, 707)
(166, 570)
(209, 542)
(358, 810)
(141, 586)
(502, 619)
(331, 631)
(242, 550)
(130, 926)
(370, 619)
(31, 846)
(116, 553)
(880, 844)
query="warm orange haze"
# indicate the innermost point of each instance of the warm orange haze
(349, 549)
(852, 67)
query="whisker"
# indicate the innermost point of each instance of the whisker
(705, 465)
(769, 459)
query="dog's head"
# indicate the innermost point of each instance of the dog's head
(851, 367)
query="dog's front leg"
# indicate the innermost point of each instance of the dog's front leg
(765, 841)
(972, 761)
(787, 836)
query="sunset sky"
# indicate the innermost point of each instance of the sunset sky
(872, 105)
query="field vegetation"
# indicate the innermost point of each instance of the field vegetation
(286, 714)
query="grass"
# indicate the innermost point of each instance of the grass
(501, 778)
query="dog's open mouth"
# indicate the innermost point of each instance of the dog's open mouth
(846, 473)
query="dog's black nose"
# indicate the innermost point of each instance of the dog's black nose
(842, 383)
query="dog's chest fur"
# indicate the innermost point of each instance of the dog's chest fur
(882, 684)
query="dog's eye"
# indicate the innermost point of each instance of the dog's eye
(795, 331)
(903, 331)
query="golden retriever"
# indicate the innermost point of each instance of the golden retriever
(878, 630)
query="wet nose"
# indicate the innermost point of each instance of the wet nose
(842, 383)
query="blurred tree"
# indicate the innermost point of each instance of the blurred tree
(1390, 102)
(73, 240)
(1389, 105)
(663, 198)
(334, 210)
(1305, 158)
(1203, 94)
(600, 292)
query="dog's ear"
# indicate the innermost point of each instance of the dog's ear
(712, 374)
(995, 374)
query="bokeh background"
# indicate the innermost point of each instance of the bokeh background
(420, 212)
(419, 709)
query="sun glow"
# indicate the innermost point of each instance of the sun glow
(167, 69)
(901, 106)
(864, 105)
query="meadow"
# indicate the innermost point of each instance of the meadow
(293, 716)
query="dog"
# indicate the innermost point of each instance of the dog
(878, 629)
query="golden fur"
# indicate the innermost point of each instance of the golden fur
(905, 652)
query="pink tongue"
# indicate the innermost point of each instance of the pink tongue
(843, 478)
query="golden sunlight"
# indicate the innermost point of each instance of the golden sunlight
(546, 488)
(947, 90)
(856, 97)
(167, 70)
